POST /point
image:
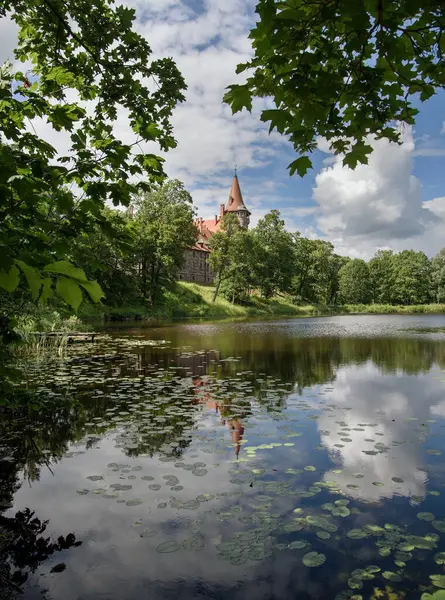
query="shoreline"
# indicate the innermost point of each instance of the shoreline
(193, 301)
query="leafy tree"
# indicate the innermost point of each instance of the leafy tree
(315, 270)
(274, 250)
(336, 262)
(164, 228)
(239, 276)
(438, 276)
(382, 277)
(354, 282)
(224, 245)
(108, 254)
(87, 63)
(342, 70)
(411, 276)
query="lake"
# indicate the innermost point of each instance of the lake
(281, 459)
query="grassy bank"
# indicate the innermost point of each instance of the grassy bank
(389, 309)
(193, 301)
(190, 300)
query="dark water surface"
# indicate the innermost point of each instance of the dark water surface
(289, 459)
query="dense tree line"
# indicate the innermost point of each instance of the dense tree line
(138, 257)
(269, 259)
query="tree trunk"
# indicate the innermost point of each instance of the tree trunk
(155, 283)
(218, 284)
(144, 277)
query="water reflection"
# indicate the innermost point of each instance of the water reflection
(197, 436)
(375, 429)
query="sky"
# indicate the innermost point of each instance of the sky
(396, 201)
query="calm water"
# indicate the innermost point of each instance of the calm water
(272, 460)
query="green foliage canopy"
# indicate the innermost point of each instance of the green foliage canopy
(342, 70)
(411, 278)
(226, 251)
(274, 254)
(438, 276)
(87, 63)
(354, 282)
(164, 229)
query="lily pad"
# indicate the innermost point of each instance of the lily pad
(167, 547)
(438, 580)
(373, 529)
(134, 502)
(390, 576)
(425, 516)
(356, 534)
(195, 543)
(314, 559)
(298, 544)
(355, 583)
(322, 523)
(440, 595)
(439, 525)
(118, 487)
(200, 472)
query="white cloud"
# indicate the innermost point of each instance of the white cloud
(207, 45)
(377, 205)
(8, 39)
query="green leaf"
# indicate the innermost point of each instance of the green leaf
(63, 267)
(94, 290)
(10, 280)
(301, 165)
(238, 97)
(358, 154)
(33, 278)
(47, 289)
(150, 131)
(69, 291)
(439, 595)
(350, 160)
(61, 76)
(279, 119)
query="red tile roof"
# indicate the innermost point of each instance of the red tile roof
(207, 227)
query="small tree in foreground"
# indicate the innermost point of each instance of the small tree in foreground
(164, 228)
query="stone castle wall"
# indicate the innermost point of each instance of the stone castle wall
(196, 267)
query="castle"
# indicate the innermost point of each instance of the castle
(196, 267)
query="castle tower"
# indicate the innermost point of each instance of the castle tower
(236, 204)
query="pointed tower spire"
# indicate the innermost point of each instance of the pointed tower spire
(236, 201)
(236, 204)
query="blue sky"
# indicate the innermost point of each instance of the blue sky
(397, 201)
